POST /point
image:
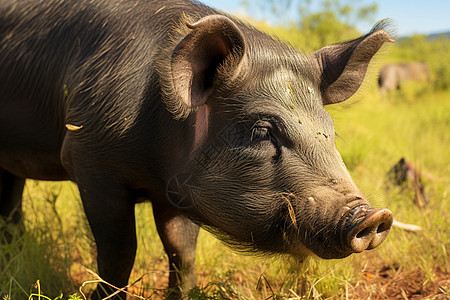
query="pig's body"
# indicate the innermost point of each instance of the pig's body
(213, 122)
(392, 76)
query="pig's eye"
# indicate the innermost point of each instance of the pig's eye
(261, 131)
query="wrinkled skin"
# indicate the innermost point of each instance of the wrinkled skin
(216, 123)
(393, 75)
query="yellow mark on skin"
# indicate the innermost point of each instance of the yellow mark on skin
(65, 91)
(289, 89)
(286, 78)
(73, 127)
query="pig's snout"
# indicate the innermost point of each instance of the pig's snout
(366, 228)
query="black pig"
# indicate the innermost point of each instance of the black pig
(392, 76)
(216, 123)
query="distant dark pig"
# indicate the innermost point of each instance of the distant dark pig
(393, 75)
(216, 123)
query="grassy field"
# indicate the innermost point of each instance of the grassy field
(374, 134)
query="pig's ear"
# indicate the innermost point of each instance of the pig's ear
(213, 41)
(343, 66)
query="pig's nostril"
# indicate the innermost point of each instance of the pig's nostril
(383, 227)
(363, 233)
(371, 231)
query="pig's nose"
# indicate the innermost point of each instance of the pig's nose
(369, 230)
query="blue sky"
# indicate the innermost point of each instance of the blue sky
(409, 16)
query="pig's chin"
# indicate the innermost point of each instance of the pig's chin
(331, 253)
(300, 251)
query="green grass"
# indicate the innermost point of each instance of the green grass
(374, 134)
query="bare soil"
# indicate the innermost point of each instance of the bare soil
(382, 281)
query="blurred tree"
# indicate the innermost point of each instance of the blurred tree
(319, 22)
(310, 25)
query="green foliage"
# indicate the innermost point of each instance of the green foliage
(334, 21)
(326, 22)
(320, 22)
(312, 37)
(324, 28)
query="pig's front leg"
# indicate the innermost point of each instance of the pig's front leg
(110, 211)
(179, 236)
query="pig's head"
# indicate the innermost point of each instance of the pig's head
(260, 168)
